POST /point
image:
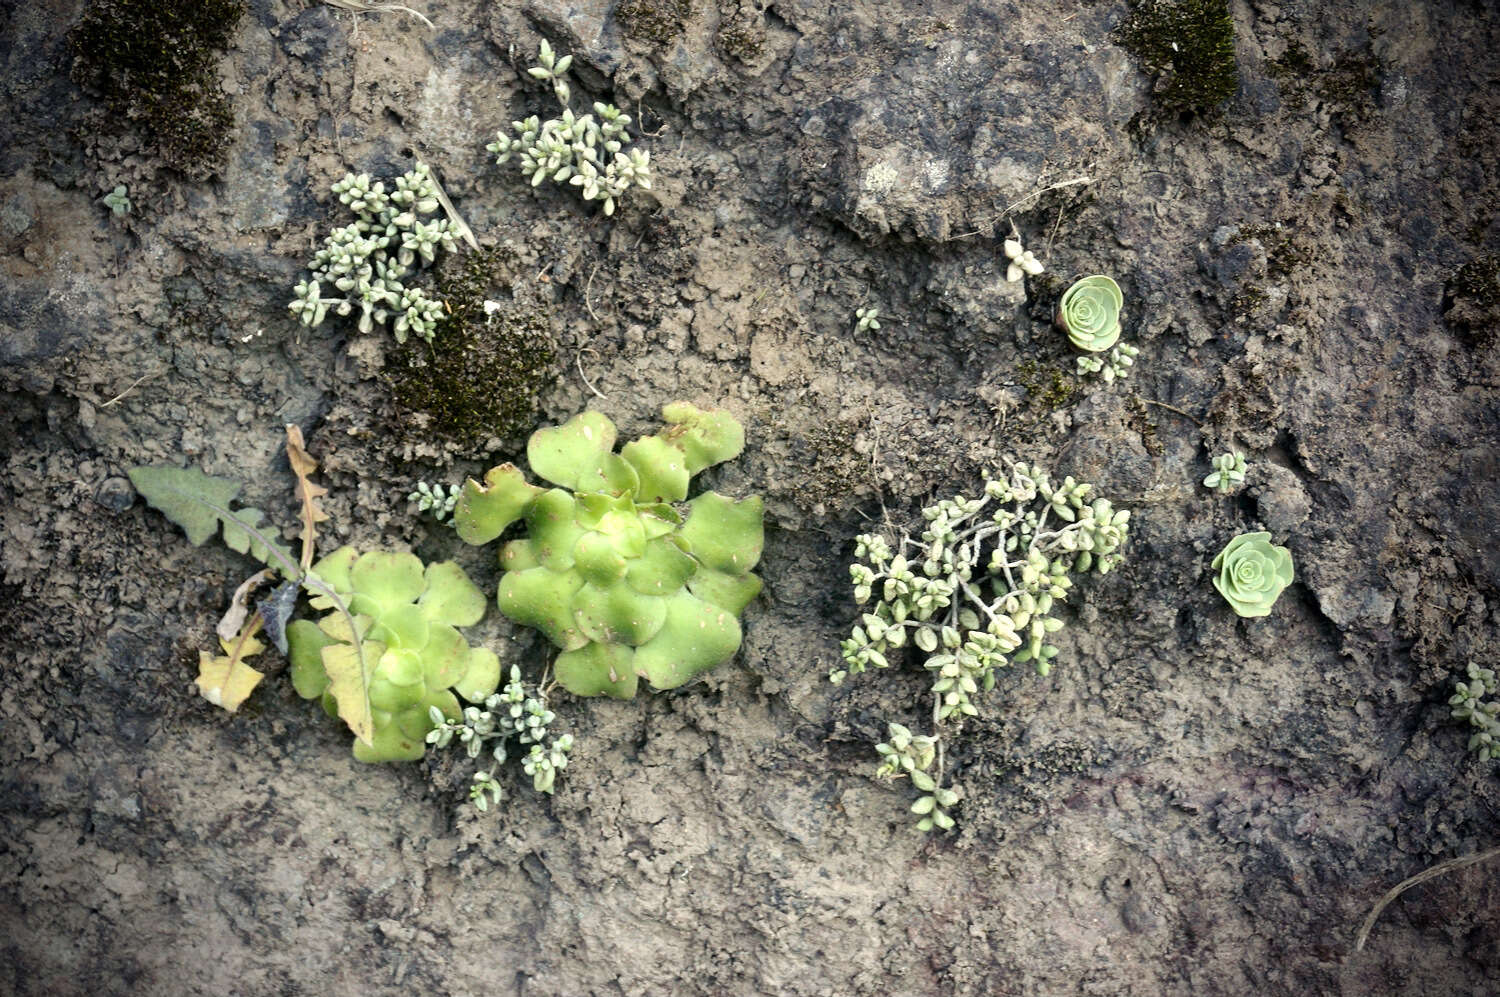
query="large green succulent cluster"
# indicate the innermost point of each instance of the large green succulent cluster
(414, 658)
(975, 592)
(575, 149)
(370, 261)
(618, 579)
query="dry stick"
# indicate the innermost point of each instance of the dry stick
(133, 385)
(1172, 408)
(363, 7)
(1036, 193)
(1421, 877)
(585, 377)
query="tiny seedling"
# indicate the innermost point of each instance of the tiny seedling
(577, 150)
(1470, 702)
(975, 592)
(438, 499)
(1251, 572)
(1022, 262)
(1114, 365)
(621, 582)
(1228, 472)
(386, 646)
(866, 319)
(118, 201)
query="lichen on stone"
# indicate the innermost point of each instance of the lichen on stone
(1472, 302)
(657, 21)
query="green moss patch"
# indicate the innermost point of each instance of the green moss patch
(657, 21)
(1472, 302)
(1188, 48)
(482, 374)
(151, 63)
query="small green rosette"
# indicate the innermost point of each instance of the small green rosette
(1089, 312)
(1251, 573)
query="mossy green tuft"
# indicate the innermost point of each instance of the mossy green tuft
(1188, 48)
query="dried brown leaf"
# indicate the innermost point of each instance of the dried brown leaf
(307, 492)
(234, 617)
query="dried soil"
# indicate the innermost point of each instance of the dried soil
(1189, 804)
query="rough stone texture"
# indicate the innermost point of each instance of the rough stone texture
(1190, 804)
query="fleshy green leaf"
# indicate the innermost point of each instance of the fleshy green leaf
(484, 511)
(696, 636)
(566, 454)
(706, 437)
(597, 670)
(725, 534)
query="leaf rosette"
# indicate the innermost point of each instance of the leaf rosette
(407, 617)
(1089, 312)
(1251, 573)
(611, 570)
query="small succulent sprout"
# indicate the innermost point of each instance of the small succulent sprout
(1022, 262)
(610, 571)
(584, 151)
(1469, 703)
(1114, 364)
(118, 201)
(1229, 471)
(1090, 311)
(1251, 573)
(867, 318)
(437, 499)
(407, 615)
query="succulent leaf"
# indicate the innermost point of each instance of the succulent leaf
(617, 614)
(542, 598)
(566, 455)
(484, 511)
(695, 637)
(598, 670)
(661, 469)
(706, 437)
(724, 533)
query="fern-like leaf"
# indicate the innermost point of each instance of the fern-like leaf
(200, 504)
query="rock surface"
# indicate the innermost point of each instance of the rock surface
(1189, 804)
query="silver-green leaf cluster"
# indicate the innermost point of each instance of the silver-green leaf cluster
(867, 319)
(514, 713)
(438, 499)
(1228, 472)
(1115, 364)
(1469, 703)
(368, 264)
(118, 201)
(584, 151)
(975, 592)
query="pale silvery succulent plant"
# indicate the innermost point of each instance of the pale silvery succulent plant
(583, 151)
(1089, 312)
(1251, 573)
(867, 318)
(1469, 703)
(118, 201)
(1022, 262)
(1115, 364)
(370, 261)
(1229, 471)
(975, 593)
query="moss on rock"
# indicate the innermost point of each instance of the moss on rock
(151, 63)
(483, 372)
(1472, 302)
(1188, 47)
(657, 21)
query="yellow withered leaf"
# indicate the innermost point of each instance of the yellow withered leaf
(226, 680)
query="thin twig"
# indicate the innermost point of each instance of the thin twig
(1421, 877)
(1172, 408)
(133, 385)
(1036, 193)
(363, 7)
(585, 377)
(586, 288)
(464, 232)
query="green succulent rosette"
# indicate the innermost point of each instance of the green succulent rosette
(625, 575)
(1251, 572)
(407, 617)
(1089, 312)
